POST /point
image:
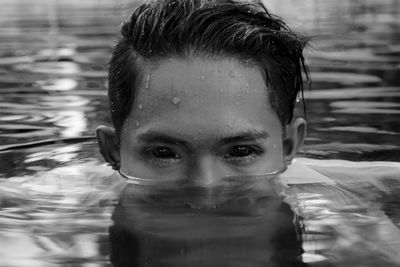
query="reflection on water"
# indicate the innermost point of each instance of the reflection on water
(251, 230)
(340, 223)
(56, 209)
(59, 224)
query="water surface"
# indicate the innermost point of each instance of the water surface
(55, 207)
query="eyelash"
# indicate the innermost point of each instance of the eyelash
(255, 151)
(149, 154)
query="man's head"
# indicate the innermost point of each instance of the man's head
(203, 88)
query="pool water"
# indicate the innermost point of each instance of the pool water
(58, 201)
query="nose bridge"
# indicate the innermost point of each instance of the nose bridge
(204, 171)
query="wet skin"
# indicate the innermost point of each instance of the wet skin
(200, 119)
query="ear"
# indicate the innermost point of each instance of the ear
(295, 135)
(108, 145)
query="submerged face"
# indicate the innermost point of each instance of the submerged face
(201, 119)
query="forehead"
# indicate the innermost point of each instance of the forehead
(199, 92)
(226, 74)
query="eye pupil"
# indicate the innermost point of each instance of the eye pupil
(164, 152)
(240, 151)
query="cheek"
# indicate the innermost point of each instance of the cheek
(130, 160)
(276, 153)
(272, 160)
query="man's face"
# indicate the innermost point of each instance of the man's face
(201, 119)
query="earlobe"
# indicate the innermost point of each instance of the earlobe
(108, 146)
(295, 135)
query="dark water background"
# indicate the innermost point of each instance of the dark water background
(53, 67)
(53, 72)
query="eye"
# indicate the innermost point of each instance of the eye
(163, 152)
(161, 156)
(243, 152)
(240, 151)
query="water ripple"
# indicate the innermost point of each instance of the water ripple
(348, 93)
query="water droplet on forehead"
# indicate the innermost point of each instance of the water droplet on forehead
(219, 67)
(137, 124)
(231, 74)
(202, 77)
(176, 100)
(140, 106)
(148, 77)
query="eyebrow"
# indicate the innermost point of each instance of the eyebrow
(160, 137)
(251, 135)
(156, 136)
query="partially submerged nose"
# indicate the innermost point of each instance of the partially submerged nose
(204, 187)
(204, 172)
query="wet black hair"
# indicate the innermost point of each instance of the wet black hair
(185, 28)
